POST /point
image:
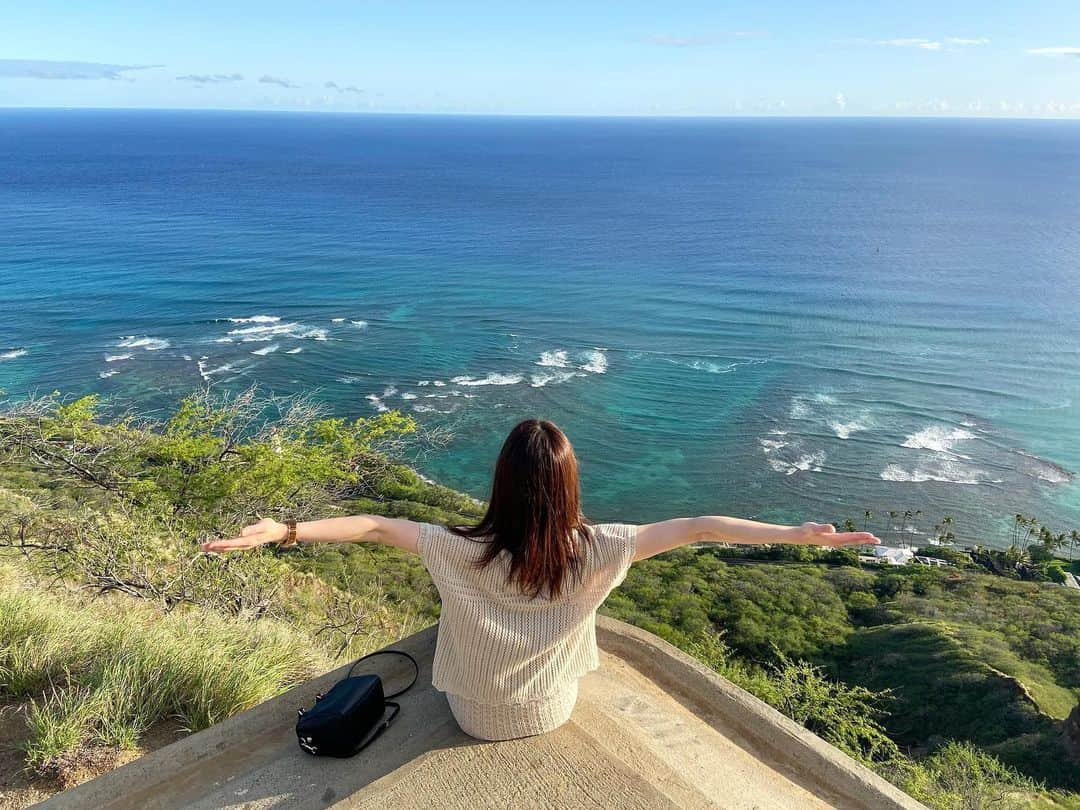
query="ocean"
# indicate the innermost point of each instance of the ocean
(787, 319)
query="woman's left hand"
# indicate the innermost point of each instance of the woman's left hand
(262, 533)
(825, 534)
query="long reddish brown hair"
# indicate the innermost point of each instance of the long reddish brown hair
(535, 510)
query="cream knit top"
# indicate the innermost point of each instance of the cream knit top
(509, 663)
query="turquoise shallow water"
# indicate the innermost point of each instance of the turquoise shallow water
(785, 319)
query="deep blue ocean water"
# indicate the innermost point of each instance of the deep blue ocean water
(788, 319)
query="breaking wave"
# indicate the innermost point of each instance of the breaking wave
(945, 471)
(151, 344)
(807, 462)
(269, 331)
(939, 438)
(490, 379)
(843, 430)
(255, 319)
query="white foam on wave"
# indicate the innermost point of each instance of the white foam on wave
(422, 408)
(558, 358)
(843, 430)
(206, 373)
(112, 358)
(490, 379)
(595, 362)
(269, 331)
(769, 445)
(711, 366)
(337, 320)
(807, 462)
(273, 347)
(553, 377)
(408, 396)
(359, 324)
(377, 400)
(939, 438)
(297, 350)
(11, 355)
(256, 319)
(799, 409)
(946, 471)
(106, 374)
(805, 406)
(590, 361)
(151, 344)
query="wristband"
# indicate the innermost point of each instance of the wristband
(290, 535)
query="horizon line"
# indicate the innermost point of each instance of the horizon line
(466, 114)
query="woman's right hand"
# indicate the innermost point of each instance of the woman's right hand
(262, 533)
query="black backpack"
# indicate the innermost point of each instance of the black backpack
(346, 719)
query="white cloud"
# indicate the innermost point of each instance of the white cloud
(925, 44)
(279, 82)
(840, 101)
(922, 43)
(210, 78)
(342, 88)
(48, 69)
(1073, 52)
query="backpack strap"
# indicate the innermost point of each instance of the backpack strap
(416, 675)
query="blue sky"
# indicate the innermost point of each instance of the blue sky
(949, 57)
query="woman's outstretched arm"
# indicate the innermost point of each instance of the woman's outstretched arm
(351, 529)
(654, 538)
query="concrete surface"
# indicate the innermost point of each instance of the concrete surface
(652, 728)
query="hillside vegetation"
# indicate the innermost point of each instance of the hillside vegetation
(117, 634)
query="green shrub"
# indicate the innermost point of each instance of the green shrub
(958, 776)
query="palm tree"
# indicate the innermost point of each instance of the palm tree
(867, 515)
(946, 525)
(1018, 521)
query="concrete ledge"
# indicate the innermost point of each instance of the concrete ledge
(653, 728)
(759, 727)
